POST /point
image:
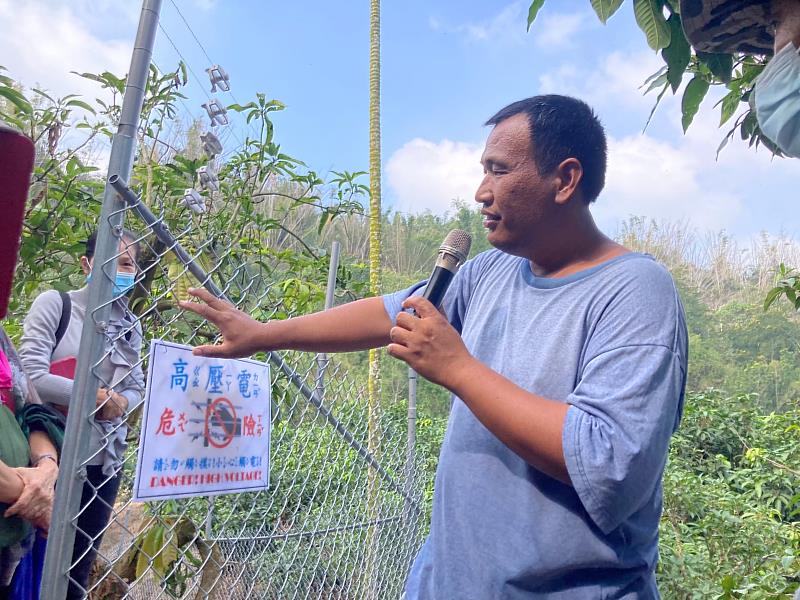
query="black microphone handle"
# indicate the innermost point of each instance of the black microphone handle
(437, 285)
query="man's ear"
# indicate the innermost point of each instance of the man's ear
(569, 175)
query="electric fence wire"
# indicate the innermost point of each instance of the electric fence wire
(212, 62)
(190, 116)
(252, 130)
(197, 78)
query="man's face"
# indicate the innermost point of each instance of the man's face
(516, 199)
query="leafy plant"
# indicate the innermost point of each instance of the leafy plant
(173, 549)
(788, 285)
(660, 21)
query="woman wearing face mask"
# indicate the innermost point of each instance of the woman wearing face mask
(49, 347)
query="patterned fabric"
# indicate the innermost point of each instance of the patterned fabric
(14, 449)
(21, 389)
(31, 414)
(14, 452)
(727, 26)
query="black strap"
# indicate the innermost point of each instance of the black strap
(66, 311)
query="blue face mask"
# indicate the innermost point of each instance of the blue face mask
(122, 283)
(777, 98)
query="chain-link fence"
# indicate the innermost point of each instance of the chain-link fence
(340, 519)
(343, 513)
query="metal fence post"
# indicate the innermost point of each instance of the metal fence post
(72, 471)
(411, 444)
(322, 358)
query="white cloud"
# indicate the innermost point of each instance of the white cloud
(425, 175)
(205, 5)
(665, 174)
(558, 31)
(43, 41)
(508, 26)
(652, 178)
(646, 177)
(612, 81)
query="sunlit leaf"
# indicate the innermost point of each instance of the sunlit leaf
(678, 54)
(605, 9)
(692, 97)
(16, 99)
(729, 104)
(535, 6)
(651, 21)
(81, 104)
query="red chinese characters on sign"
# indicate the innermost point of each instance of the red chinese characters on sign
(252, 427)
(165, 426)
(248, 425)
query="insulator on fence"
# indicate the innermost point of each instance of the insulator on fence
(219, 79)
(193, 200)
(211, 144)
(216, 112)
(208, 179)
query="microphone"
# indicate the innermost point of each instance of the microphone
(452, 254)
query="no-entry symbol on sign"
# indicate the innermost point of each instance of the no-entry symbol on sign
(221, 423)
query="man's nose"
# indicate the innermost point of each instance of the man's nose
(484, 193)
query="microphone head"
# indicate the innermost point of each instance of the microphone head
(457, 244)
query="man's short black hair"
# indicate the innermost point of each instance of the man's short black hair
(127, 235)
(561, 128)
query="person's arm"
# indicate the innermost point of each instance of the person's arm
(11, 484)
(37, 345)
(128, 390)
(531, 425)
(358, 325)
(35, 501)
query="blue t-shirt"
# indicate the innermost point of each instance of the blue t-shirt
(609, 341)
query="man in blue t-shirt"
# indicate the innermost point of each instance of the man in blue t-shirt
(566, 356)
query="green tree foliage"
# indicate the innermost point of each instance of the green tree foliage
(660, 21)
(788, 285)
(253, 216)
(731, 522)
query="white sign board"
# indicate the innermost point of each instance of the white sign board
(205, 426)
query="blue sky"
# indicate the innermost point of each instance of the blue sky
(447, 66)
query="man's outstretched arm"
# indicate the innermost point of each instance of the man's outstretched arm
(355, 326)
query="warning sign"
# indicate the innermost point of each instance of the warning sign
(205, 426)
